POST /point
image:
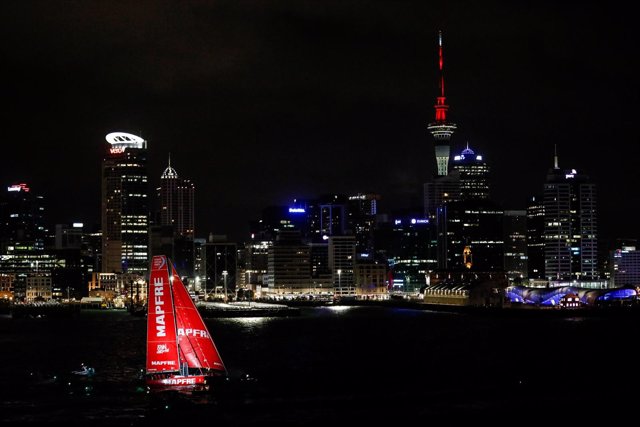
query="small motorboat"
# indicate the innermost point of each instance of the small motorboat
(84, 371)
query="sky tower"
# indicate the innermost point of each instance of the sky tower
(441, 129)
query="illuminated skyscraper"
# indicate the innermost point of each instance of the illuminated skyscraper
(21, 219)
(177, 215)
(535, 238)
(125, 207)
(362, 210)
(474, 175)
(570, 230)
(177, 202)
(441, 129)
(515, 244)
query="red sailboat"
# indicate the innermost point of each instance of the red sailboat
(181, 354)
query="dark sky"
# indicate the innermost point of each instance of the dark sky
(260, 102)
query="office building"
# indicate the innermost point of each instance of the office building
(125, 207)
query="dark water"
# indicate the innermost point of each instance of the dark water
(330, 365)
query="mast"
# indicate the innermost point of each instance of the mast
(182, 367)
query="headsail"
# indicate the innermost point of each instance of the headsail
(196, 345)
(162, 348)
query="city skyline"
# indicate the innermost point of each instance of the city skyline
(259, 104)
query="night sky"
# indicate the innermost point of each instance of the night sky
(260, 102)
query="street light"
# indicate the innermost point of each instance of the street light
(224, 276)
(339, 286)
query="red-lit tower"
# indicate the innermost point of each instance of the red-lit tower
(441, 129)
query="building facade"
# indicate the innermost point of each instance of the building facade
(125, 207)
(570, 232)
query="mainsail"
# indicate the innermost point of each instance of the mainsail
(162, 346)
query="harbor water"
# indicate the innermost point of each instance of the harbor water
(327, 365)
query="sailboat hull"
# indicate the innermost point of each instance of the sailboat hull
(174, 382)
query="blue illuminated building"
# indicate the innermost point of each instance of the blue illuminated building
(549, 297)
(474, 175)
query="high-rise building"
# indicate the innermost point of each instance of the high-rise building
(474, 175)
(125, 206)
(535, 238)
(288, 264)
(177, 202)
(441, 129)
(470, 236)
(21, 219)
(515, 245)
(442, 189)
(570, 232)
(408, 244)
(321, 274)
(342, 257)
(177, 212)
(22, 237)
(362, 211)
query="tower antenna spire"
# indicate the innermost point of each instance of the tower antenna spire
(441, 64)
(555, 156)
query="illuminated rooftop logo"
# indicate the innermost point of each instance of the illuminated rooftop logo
(18, 187)
(122, 140)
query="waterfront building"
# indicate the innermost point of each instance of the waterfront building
(38, 287)
(570, 232)
(342, 258)
(552, 296)
(289, 271)
(257, 263)
(125, 207)
(625, 267)
(466, 288)
(321, 273)
(371, 281)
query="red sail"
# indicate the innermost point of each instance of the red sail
(195, 342)
(162, 348)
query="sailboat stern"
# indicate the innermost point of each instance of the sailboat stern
(177, 382)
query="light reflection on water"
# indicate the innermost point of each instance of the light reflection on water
(246, 321)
